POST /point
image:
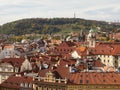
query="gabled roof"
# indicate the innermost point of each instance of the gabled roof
(66, 62)
(106, 49)
(95, 78)
(16, 81)
(17, 62)
(98, 63)
(67, 44)
(63, 72)
(82, 51)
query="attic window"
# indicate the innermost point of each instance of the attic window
(30, 85)
(81, 81)
(26, 84)
(22, 84)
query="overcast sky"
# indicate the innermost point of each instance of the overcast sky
(11, 10)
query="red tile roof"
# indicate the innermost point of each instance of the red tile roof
(17, 62)
(95, 78)
(106, 49)
(67, 44)
(65, 62)
(65, 48)
(63, 71)
(16, 81)
(82, 51)
(98, 63)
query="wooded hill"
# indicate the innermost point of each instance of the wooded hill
(54, 25)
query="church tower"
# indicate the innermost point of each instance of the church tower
(81, 37)
(91, 38)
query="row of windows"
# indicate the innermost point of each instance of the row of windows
(92, 86)
(50, 88)
(107, 61)
(10, 52)
(3, 69)
(26, 85)
(65, 50)
(105, 56)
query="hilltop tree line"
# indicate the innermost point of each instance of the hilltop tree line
(54, 25)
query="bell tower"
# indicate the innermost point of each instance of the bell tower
(81, 36)
(91, 38)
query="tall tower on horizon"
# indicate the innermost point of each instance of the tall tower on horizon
(74, 15)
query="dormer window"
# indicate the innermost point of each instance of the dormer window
(26, 84)
(22, 84)
(30, 85)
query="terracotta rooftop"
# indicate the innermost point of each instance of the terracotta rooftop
(67, 44)
(13, 61)
(82, 51)
(98, 63)
(18, 82)
(95, 78)
(106, 49)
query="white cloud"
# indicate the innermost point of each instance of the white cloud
(89, 9)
